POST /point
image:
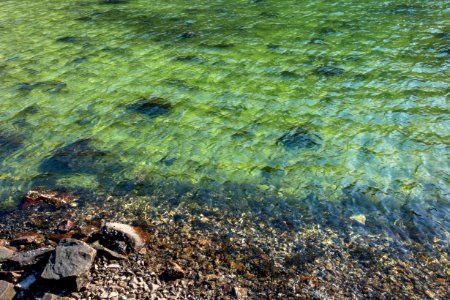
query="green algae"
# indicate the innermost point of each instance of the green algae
(369, 78)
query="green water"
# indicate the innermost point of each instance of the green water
(364, 83)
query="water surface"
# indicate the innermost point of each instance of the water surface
(340, 102)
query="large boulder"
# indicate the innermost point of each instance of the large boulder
(123, 238)
(72, 258)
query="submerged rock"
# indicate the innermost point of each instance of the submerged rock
(329, 71)
(359, 218)
(9, 143)
(78, 157)
(123, 238)
(72, 258)
(7, 291)
(152, 107)
(114, 1)
(67, 39)
(54, 198)
(299, 137)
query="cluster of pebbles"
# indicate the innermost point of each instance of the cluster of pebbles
(59, 247)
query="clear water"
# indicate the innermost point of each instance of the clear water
(294, 97)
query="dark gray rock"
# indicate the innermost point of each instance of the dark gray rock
(7, 291)
(72, 258)
(31, 257)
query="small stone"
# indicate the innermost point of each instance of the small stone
(71, 258)
(7, 291)
(113, 294)
(173, 272)
(49, 296)
(66, 226)
(89, 230)
(5, 253)
(359, 218)
(241, 293)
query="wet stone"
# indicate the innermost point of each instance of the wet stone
(299, 138)
(329, 71)
(151, 107)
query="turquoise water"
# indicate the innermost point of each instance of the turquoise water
(296, 98)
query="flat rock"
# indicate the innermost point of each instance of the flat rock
(72, 258)
(123, 238)
(108, 252)
(31, 257)
(49, 296)
(28, 238)
(7, 291)
(5, 253)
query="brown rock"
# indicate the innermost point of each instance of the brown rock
(5, 253)
(28, 238)
(89, 230)
(72, 258)
(54, 198)
(58, 237)
(173, 272)
(7, 291)
(66, 226)
(31, 257)
(123, 238)
(10, 276)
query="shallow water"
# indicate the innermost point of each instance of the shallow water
(316, 101)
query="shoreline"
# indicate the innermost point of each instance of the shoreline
(222, 255)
